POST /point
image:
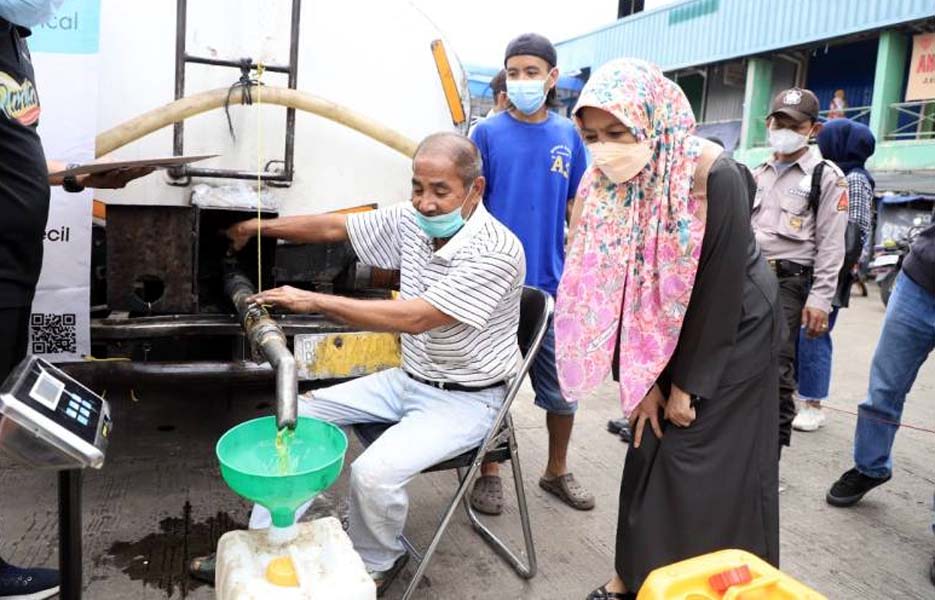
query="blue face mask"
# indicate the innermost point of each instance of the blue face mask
(445, 225)
(28, 13)
(527, 95)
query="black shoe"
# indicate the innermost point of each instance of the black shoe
(851, 487)
(601, 593)
(620, 427)
(27, 584)
(932, 572)
(384, 579)
(202, 568)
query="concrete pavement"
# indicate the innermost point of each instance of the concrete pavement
(159, 498)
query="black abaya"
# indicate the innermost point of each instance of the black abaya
(714, 484)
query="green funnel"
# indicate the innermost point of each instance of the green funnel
(252, 467)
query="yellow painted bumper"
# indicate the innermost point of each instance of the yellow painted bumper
(345, 355)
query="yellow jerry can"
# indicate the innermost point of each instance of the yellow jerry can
(724, 575)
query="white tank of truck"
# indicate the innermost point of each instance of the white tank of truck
(374, 59)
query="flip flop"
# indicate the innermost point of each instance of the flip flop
(487, 495)
(569, 491)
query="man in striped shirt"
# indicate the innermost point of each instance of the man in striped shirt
(461, 278)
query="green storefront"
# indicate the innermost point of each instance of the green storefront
(732, 56)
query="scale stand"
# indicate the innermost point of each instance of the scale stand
(50, 421)
(69, 534)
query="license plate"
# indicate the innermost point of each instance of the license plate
(344, 355)
(886, 260)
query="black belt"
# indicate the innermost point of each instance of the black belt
(787, 268)
(452, 387)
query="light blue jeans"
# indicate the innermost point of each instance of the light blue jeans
(907, 339)
(432, 426)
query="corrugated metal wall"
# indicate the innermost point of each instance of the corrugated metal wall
(698, 32)
(724, 101)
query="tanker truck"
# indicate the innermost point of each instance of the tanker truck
(310, 106)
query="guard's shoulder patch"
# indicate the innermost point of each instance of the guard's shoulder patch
(843, 201)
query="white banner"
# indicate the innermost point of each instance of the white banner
(921, 83)
(65, 57)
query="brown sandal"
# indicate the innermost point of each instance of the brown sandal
(569, 491)
(487, 495)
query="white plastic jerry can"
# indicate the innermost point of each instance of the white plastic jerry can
(318, 564)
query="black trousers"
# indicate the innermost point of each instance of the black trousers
(14, 337)
(793, 293)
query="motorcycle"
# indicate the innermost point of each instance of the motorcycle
(888, 260)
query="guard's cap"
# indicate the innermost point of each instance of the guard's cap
(797, 103)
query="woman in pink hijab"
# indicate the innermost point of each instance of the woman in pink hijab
(664, 285)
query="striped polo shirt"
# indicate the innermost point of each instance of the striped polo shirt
(477, 278)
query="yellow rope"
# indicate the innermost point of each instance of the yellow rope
(259, 177)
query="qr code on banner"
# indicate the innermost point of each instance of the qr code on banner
(53, 333)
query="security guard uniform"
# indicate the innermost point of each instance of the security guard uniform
(803, 244)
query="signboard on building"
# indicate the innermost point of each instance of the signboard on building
(921, 84)
(65, 55)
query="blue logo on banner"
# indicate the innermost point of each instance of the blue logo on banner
(74, 29)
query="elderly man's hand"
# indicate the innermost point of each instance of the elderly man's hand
(288, 298)
(241, 233)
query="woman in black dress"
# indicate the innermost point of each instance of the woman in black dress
(664, 285)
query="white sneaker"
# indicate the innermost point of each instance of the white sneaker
(809, 418)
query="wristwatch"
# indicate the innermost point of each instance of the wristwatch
(70, 182)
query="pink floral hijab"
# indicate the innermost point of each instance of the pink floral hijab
(634, 256)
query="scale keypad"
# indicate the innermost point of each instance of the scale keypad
(78, 408)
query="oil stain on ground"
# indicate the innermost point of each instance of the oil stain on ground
(161, 559)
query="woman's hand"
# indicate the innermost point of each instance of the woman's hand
(647, 410)
(679, 408)
(288, 298)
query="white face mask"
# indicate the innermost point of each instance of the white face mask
(620, 162)
(786, 141)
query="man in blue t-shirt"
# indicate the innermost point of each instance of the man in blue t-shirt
(533, 161)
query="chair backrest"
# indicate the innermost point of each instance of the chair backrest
(535, 314)
(535, 311)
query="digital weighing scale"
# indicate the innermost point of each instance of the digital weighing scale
(50, 421)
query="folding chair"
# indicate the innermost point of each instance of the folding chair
(499, 446)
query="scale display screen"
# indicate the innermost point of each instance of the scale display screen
(47, 390)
